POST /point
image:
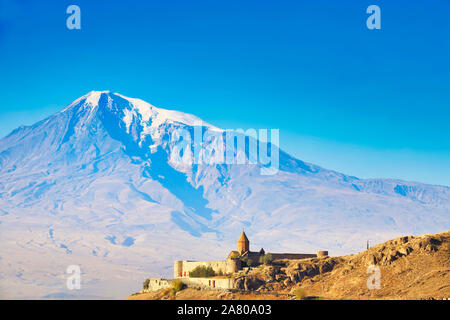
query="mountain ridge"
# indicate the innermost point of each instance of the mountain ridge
(105, 181)
(92, 98)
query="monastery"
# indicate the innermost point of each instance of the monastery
(234, 262)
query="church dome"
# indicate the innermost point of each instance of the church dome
(243, 237)
(243, 245)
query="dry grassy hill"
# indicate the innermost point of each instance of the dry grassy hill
(413, 267)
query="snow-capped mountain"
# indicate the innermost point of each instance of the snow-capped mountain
(96, 185)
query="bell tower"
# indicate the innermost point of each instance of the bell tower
(243, 245)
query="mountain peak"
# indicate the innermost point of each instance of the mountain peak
(133, 108)
(91, 98)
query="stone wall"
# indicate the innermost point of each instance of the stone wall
(202, 283)
(209, 283)
(293, 256)
(182, 269)
(158, 283)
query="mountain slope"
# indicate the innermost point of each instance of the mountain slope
(98, 185)
(411, 267)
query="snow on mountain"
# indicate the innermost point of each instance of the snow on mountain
(95, 185)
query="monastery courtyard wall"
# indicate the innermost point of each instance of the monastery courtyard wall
(182, 269)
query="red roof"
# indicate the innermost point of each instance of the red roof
(243, 237)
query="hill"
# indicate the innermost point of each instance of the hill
(411, 267)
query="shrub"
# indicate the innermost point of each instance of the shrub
(267, 259)
(146, 283)
(300, 294)
(202, 272)
(177, 285)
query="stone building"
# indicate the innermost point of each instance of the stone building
(233, 262)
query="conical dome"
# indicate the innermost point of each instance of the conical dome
(243, 245)
(243, 237)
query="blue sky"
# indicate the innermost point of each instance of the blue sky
(370, 103)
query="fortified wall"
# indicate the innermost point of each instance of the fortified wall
(158, 283)
(209, 283)
(181, 269)
(292, 256)
(201, 283)
(234, 263)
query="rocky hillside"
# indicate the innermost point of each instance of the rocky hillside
(410, 267)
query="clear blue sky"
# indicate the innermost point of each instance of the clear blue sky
(370, 103)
